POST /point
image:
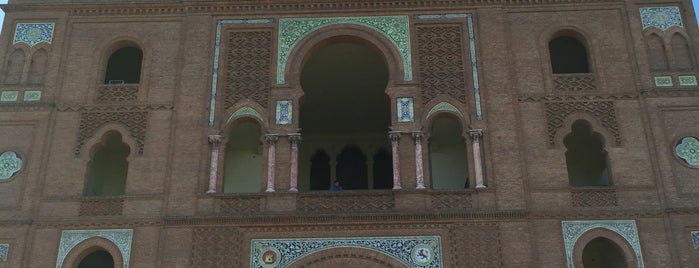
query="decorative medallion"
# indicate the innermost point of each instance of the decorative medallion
(284, 112)
(32, 95)
(10, 164)
(9, 95)
(663, 81)
(33, 33)
(412, 251)
(405, 109)
(687, 80)
(572, 230)
(688, 150)
(695, 239)
(4, 249)
(660, 17)
(71, 238)
(395, 28)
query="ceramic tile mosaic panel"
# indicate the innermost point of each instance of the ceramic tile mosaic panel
(4, 250)
(71, 238)
(9, 96)
(660, 17)
(33, 33)
(245, 111)
(688, 150)
(217, 53)
(395, 28)
(405, 109)
(32, 95)
(695, 239)
(687, 80)
(663, 81)
(445, 107)
(10, 164)
(284, 112)
(572, 230)
(412, 251)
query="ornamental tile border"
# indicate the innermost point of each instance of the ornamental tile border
(33, 33)
(71, 238)
(688, 150)
(395, 28)
(412, 251)
(472, 48)
(445, 107)
(663, 81)
(32, 95)
(660, 17)
(687, 80)
(9, 96)
(245, 111)
(217, 53)
(10, 164)
(572, 230)
(4, 250)
(695, 239)
(284, 112)
(406, 111)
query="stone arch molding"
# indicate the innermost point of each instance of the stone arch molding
(411, 251)
(573, 230)
(394, 28)
(121, 238)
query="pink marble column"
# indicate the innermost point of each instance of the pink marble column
(215, 140)
(476, 135)
(419, 174)
(294, 139)
(395, 136)
(271, 160)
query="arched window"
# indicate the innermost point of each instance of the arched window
(97, 259)
(37, 68)
(448, 155)
(603, 253)
(15, 67)
(320, 171)
(680, 52)
(352, 168)
(108, 167)
(568, 55)
(124, 66)
(656, 52)
(243, 160)
(586, 158)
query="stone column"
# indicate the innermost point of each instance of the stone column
(476, 135)
(294, 140)
(419, 174)
(395, 136)
(215, 140)
(271, 160)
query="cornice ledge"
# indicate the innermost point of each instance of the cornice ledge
(670, 92)
(72, 107)
(573, 98)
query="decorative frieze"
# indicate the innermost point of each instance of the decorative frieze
(604, 111)
(593, 197)
(117, 93)
(135, 121)
(101, 207)
(574, 82)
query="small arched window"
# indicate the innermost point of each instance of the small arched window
(124, 66)
(568, 55)
(37, 68)
(656, 52)
(586, 158)
(13, 74)
(680, 52)
(108, 166)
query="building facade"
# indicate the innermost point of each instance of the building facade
(471, 133)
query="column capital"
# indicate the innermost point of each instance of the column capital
(475, 133)
(394, 136)
(215, 140)
(271, 139)
(294, 138)
(418, 135)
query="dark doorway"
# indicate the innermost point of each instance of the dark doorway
(320, 171)
(352, 168)
(97, 259)
(603, 253)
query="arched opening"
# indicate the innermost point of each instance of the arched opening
(586, 158)
(603, 253)
(124, 66)
(38, 67)
(656, 53)
(97, 259)
(108, 166)
(320, 171)
(680, 53)
(243, 159)
(15, 67)
(447, 154)
(568, 55)
(344, 104)
(383, 169)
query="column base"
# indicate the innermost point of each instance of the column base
(293, 190)
(210, 191)
(420, 187)
(481, 186)
(269, 190)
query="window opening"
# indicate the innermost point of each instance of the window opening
(586, 158)
(108, 167)
(124, 66)
(568, 55)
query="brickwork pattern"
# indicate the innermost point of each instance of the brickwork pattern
(117, 93)
(239, 205)
(441, 59)
(101, 207)
(135, 122)
(345, 203)
(476, 245)
(557, 112)
(594, 198)
(216, 247)
(248, 67)
(451, 201)
(574, 83)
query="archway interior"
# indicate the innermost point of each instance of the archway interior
(603, 253)
(448, 155)
(344, 115)
(243, 158)
(97, 259)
